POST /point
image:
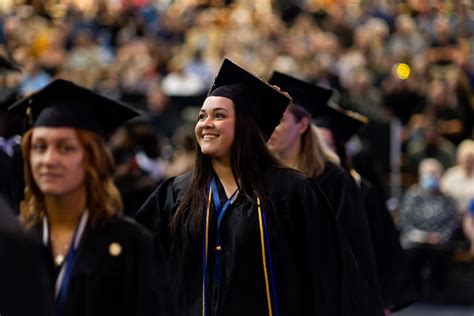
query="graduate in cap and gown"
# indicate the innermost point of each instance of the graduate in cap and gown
(338, 125)
(101, 263)
(11, 162)
(25, 289)
(297, 143)
(245, 235)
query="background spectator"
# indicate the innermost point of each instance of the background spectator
(458, 181)
(428, 220)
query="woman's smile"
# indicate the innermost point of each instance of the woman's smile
(209, 136)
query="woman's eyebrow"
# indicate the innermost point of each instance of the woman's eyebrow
(61, 139)
(216, 109)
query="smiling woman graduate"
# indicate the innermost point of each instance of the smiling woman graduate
(243, 234)
(101, 262)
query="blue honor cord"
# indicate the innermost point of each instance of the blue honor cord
(265, 243)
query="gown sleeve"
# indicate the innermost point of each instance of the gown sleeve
(147, 282)
(155, 215)
(322, 257)
(156, 212)
(355, 223)
(335, 273)
(25, 287)
(397, 292)
(161, 283)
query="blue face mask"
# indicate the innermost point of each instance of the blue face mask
(429, 182)
(470, 207)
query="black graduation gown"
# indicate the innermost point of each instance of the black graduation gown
(398, 292)
(25, 289)
(134, 282)
(12, 183)
(347, 202)
(306, 245)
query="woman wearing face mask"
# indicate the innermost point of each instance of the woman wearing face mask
(245, 235)
(427, 219)
(100, 262)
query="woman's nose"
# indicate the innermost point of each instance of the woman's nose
(50, 156)
(208, 122)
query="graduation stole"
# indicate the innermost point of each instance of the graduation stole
(264, 241)
(64, 277)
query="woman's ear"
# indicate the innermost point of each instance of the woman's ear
(303, 125)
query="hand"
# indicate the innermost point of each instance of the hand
(282, 91)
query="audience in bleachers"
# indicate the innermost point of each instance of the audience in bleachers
(410, 61)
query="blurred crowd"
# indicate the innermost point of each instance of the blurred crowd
(407, 61)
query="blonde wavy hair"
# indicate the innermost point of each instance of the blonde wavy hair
(103, 197)
(314, 153)
(311, 160)
(328, 154)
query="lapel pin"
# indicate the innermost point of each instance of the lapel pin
(115, 249)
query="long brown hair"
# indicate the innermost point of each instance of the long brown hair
(311, 160)
(249, 160)
(103, 198)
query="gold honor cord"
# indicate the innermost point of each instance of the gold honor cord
(207, 244)
(264, 260)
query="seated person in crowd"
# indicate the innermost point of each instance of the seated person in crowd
(428, 219)
(458, 181)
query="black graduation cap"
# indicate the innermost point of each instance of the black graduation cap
(64, 104)
(341, 122)
(7, 65)
(8, 96)
(143, 118)
(312, 97)
(254, 95)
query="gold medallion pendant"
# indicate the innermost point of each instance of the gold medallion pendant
(58, 260)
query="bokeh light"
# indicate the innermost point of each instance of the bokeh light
(403, 71)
